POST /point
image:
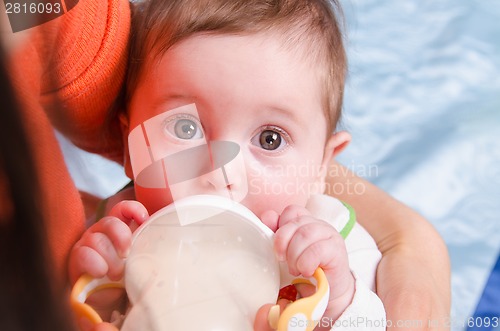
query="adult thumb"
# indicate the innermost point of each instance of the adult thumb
(104, 327)
(264, 318)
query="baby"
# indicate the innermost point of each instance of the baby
(264, 78)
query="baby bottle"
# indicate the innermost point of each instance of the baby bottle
(202, 263)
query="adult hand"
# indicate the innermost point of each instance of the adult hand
(104, 327)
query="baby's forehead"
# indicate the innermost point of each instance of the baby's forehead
(298, 38)
(304, 50)
(275, 44)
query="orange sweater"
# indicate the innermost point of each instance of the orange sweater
(80, 59)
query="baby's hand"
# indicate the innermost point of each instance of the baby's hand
(102, 249)
(307, 243)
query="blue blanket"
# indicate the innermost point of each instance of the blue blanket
(423, 106)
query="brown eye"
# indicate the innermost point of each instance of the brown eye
(270, 140)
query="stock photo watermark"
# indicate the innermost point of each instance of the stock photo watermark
(362, 322)
(28, 14)
(292, 179)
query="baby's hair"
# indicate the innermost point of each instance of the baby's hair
(309, 27)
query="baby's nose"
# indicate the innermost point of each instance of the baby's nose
(213, 168)
(228, 177)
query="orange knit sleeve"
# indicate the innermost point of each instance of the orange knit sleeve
(79, 61)
(85, 72)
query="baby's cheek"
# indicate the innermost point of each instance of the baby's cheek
(276, 192)
(153, 198)
(270, 219)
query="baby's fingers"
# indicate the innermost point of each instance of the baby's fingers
(322, 254)
(115, 262)
(85, 260)
(99, 250)
(117, 232)
(285, 234)
(130, 210)
(312, 245)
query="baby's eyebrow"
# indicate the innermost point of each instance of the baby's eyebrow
(286, 112)
(283, 111)
(166, 98)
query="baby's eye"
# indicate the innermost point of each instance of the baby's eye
(270, 139)
(184, 128)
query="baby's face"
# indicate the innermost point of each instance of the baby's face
(247, 91)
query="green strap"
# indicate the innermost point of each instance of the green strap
(350, 223)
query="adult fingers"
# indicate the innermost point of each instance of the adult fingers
(105, 327)
(268, 316)
(261, 322)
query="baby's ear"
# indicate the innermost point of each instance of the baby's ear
(126, 155)
(334, 145)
